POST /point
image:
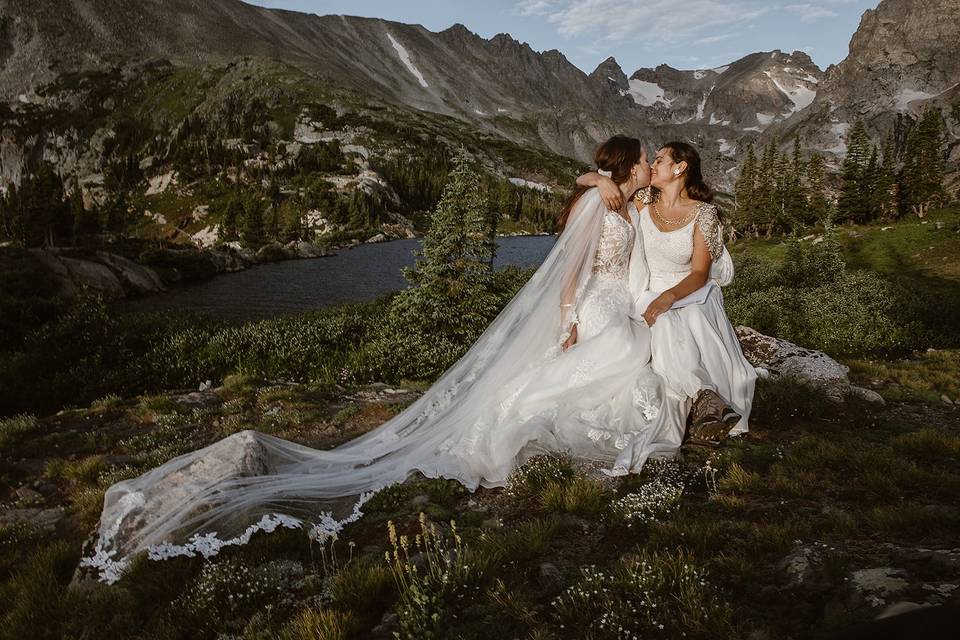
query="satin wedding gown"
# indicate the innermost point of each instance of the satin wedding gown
(693, 344)
(515, 393)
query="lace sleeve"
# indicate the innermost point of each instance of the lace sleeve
(709, 223)
(645, 196)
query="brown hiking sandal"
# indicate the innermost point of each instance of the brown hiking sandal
(710, 419)
(707, 434)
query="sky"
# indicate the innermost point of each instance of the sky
(685, 34)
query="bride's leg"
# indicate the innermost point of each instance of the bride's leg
(696, 351)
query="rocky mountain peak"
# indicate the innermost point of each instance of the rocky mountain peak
(904, 57)
(610, 71)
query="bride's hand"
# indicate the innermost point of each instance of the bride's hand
(610, 193)
(663, 303)
(572, 340)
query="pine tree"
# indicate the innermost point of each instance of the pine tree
(781, 176)
(852, 205)
(767, 197)
(452, 299)
(253, 232)
(42, 210)
(923, 171)
(869, 181)
(745, 192)
(796, 207)
(456, 248)
(884, 192)
(291, 221)
(820, 206)
(230, 220)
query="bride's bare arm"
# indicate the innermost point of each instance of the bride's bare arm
(609, 191)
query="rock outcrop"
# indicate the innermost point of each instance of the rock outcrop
(814, 368)
(112, 275)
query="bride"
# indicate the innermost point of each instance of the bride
(680, 261)
(563, 367)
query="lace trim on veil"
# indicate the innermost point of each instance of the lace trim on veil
(209, 544)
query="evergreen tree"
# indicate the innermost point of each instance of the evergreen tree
(452, 298)
(360, 210)
(456, 249)
(883, 188)
(229, 222)
(42, 210)
(271, 226)
(796, 207)
(853, 203)
(291, 221)
(869, 181)
(767, 198)
(923, 171)
(745, 193)
(781, 175)
(253, 233)
(820, 206)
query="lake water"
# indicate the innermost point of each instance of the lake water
(353, 275)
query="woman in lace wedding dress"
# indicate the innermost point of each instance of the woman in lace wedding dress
(679, 265)
(563, 367)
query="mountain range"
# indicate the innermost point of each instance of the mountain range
(904, 56)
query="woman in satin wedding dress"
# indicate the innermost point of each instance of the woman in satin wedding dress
(563, 368)
(679, 265)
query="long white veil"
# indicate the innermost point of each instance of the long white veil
(222, 494)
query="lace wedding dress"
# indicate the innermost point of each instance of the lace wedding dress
(693, 344)
(515, 393)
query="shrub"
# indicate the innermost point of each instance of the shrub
(811, 299)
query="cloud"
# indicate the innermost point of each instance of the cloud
(535, 7)
(659, 20)
(810, 12)
(718, 38)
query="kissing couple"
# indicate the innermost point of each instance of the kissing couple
(616, 350)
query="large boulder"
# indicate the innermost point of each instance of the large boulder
(72, 274)
(304, 249)
(780, 357)
(137, 278)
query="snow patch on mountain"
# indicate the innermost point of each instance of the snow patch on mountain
(801, 96)
(405, 58)
(647, 94)
(903, 99)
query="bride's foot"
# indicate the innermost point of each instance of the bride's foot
(711, 419)
(707, 434)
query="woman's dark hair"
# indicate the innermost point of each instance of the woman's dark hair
(617, 155)
(696, 188)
